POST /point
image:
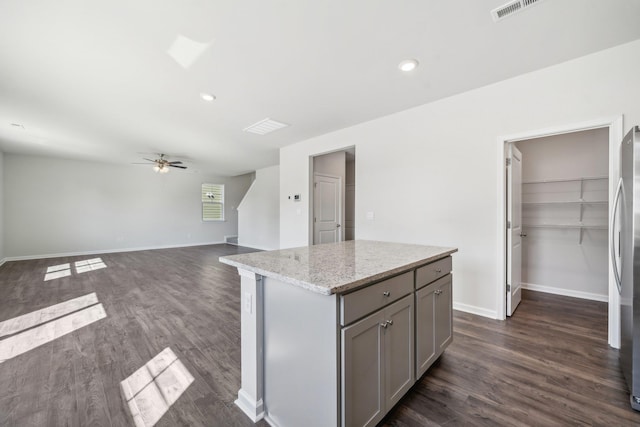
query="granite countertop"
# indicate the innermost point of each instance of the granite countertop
(337, 267)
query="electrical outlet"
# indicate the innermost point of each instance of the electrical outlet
(248, 302)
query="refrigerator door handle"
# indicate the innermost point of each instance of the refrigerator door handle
(612, 232)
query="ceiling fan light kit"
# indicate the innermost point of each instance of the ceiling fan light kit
(162, 165)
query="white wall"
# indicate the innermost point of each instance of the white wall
(430, 174)
(55, 206)
(554, 260)
(259, 211)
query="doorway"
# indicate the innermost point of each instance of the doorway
(558, 216)
(612, 129)
(333, 192)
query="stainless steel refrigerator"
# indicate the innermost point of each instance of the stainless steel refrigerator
(627, 270)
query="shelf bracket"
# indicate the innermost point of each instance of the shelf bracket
(581, 212)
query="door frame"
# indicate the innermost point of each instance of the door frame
(615, 126)
(311, 195)
(340, 210)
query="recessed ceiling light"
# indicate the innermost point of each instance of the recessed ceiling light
(207, 97)
(408, 65)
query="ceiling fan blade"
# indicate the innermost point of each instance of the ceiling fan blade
(139, 163)
(176, 166)
(149, 160)
(175, 163)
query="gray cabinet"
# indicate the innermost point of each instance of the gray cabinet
(398, 350)
(366, 300)
(444, 316)
(425, 329)
(362, 375)
(377, 363)
(434, 329)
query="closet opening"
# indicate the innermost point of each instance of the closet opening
(564, 203)
(557, 188)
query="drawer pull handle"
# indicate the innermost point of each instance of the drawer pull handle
(389, 322)
(386, 293)
(438, 292)
(438, 271)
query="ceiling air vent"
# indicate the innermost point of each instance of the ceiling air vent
(265, 126)
(511, 8)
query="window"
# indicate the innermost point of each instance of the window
(213, 202)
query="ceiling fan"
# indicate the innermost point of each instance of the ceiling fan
(162, 165)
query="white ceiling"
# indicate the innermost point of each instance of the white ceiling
(93, 79)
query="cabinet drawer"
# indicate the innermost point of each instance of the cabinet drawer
(433, 271)
(369, 299)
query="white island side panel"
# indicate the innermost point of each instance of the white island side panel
(301, 362)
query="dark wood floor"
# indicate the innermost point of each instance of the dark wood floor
(548, 365)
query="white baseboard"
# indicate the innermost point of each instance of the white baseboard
(565, 292)
(254, 410)
(269, 421)
(261, 248)
(106, 251)
(491, 314)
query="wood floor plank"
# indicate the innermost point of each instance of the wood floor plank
(63, 402)
(548, 365)
(93, 408)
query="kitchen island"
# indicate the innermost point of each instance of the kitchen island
(336, 334)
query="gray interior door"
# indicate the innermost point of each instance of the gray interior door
(327, 207)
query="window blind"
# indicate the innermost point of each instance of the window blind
(213, 202)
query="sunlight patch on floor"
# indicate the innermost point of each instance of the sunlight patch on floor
(89, 265)
(59, 267)
(64, 270)
(152, 389)
(40, 329)
(35, 318)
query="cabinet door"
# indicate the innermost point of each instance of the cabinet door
(425, 329)
(444, 319)
(362, 365)
(398, 350)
